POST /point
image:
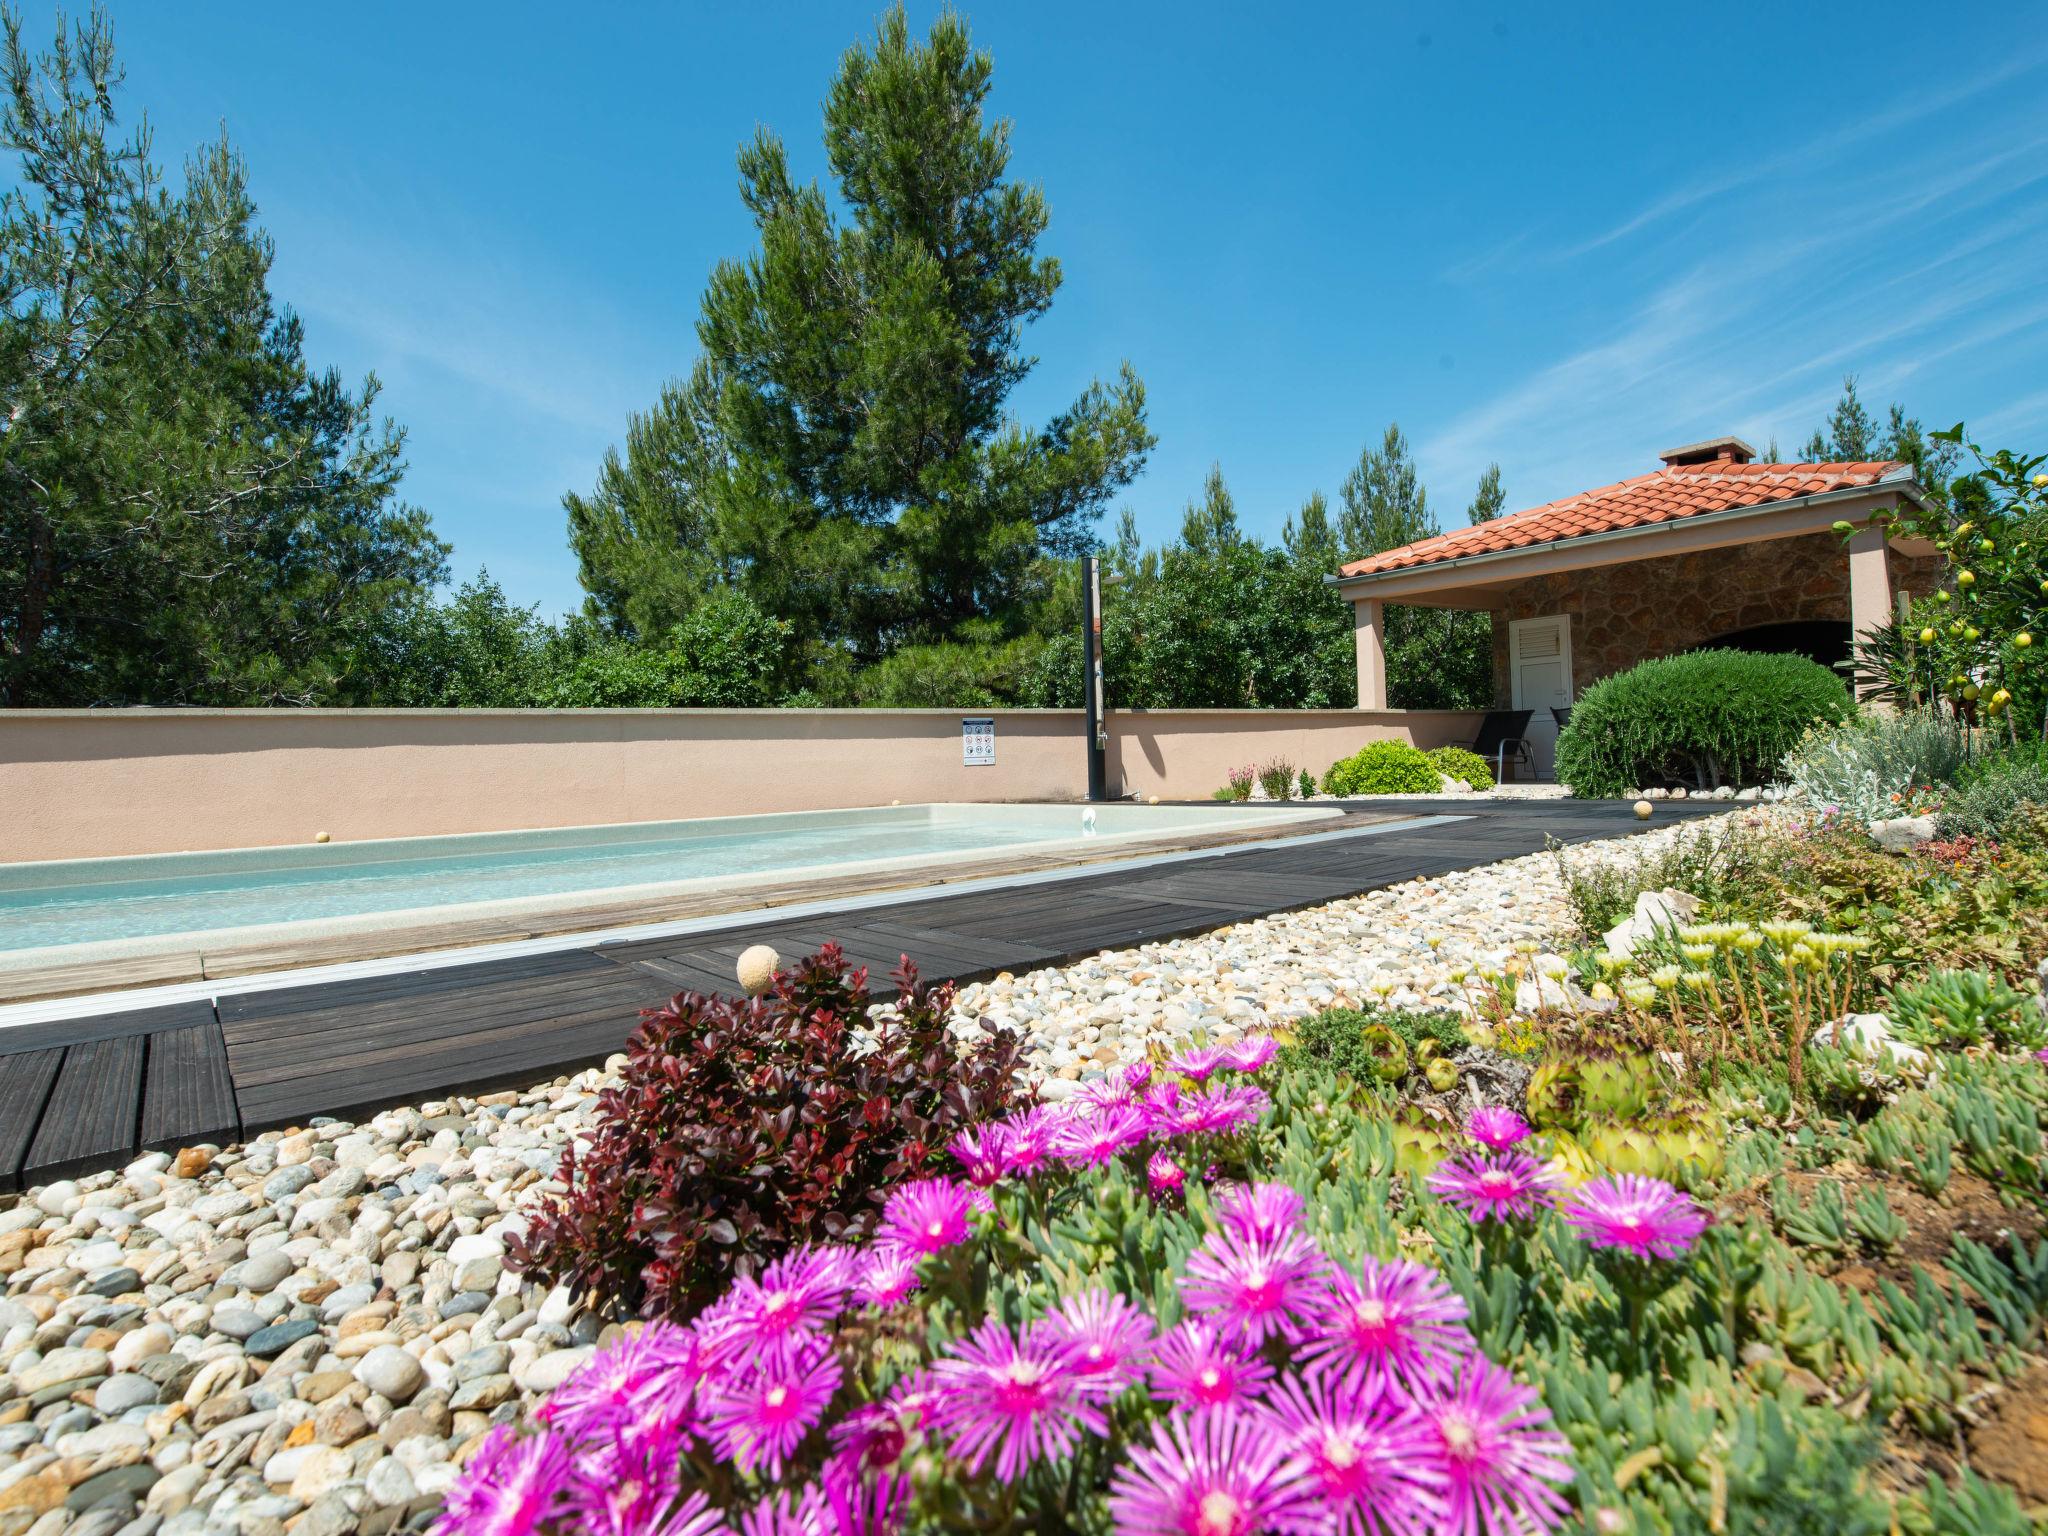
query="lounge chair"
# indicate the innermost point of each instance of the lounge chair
(1503, 737)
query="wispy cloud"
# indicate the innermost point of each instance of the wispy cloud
(1810, 160)
(1898, 266)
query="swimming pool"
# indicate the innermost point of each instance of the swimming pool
(137, 905)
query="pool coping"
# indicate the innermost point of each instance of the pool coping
(856, 892)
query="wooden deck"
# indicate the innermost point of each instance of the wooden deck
(87, 1093)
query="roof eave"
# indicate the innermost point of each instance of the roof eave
(1900, 480)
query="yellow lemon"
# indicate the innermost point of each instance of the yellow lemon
(1966, 579)
(1970, 692)
(1927, 637)
(2023, 639)
(1942, 595)
(1970, 633)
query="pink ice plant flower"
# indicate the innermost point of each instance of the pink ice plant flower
(1632, 1211)
(785, 1306)
(869, 1438)
(1028, 1138)
(1369, 1453)
(1257, 1289)
(1106, 1340)
(1019, 1400)
(1164, 1176)
(1203, 1370)
(836, 1506)
(1494, 1187)
(639, 1385)
(1399, 1318)
(981, 1153)
(928, 1215)
(758, 1417)
(1498, 1128)
(1259, 1212)
(1499, 1457)
(1251, 1053)
(1197, 1062)
(1220, 1111)
(643, 1502)
(1219, 1475)
(511, 1485)
(1089, 1141)
(885, 1275)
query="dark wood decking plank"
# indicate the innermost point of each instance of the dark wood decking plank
(106, 1026)
(26, 1078)
(94, 1108)
(327, 998)
(188, 1095)
(472, 1016)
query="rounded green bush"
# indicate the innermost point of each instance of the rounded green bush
(1457, 763)
(1698, 721)
(1383, 768)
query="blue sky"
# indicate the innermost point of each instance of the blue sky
(1561, 241)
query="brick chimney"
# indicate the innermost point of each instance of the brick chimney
(1715, 450)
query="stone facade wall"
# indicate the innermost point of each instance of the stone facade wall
(1626, 613)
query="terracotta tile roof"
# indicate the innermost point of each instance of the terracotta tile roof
(1662, 496)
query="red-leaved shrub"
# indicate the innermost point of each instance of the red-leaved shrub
(740, 1127)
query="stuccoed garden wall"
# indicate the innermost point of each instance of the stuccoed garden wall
(92, 783)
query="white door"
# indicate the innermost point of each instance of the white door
(1540, 676)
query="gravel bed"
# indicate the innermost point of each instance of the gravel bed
(309, 1332)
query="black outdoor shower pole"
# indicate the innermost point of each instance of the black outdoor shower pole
(1091, 641)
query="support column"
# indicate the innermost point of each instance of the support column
(1369, 621)
(1870, 582)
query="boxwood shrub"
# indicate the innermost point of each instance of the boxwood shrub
(1457, 763)
(1383, 768)
(1695, 721)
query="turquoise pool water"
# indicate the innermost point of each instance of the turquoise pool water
(90, 901)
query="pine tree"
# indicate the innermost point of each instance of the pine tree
(1851, 434)
(1311, 542)
(1210, 524)
(1489, 499)
(1384, 504)
(189, 513)
(841, 452)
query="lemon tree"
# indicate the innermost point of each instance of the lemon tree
(1980, 640)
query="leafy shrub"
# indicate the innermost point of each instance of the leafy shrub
(1728, 866)
(1998, 793)
(1383, 768)
(1277, 779)
(1336, 1041)
(1859, 764)
(1698, 720)
(1239, 785)
(1950, 1009)
(1305, 786)
(740, 1127)
(1457, 763)
(963, 674)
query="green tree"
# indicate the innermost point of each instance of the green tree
(1851, 433)
(1489, 499)
(1384, 503)
(188, 512)
(1437, 658)
(841, 451)
(1312, 541)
